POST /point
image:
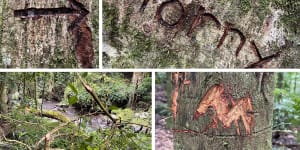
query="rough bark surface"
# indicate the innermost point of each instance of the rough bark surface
(208, 133)
(44, 42)
(207, 34)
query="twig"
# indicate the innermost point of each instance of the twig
(48, 135)
(126, 122)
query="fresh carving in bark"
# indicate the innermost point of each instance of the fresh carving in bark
(178, 80)
(160, 19)
(215, 98)
(262, 62)
(228, 27)
(79, 28)
(201, 18)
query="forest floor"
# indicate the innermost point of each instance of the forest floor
(163, 136)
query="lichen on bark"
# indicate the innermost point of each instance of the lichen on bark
(137, 39)
(43, 42)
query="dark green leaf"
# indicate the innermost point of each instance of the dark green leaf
(73, 100)
(73, 88)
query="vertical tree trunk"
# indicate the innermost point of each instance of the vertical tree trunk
(136, 80)
(279, 84)
(50, 87)
(24, 89)
(3, 94)
(189, 131)
(35, 90)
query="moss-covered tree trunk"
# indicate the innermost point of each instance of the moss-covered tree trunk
(41, 42)
(193, 126)
(200, 34)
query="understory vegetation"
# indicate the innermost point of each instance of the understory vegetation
(286, 124)
(60, 110)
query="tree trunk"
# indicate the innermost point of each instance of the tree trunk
(136, 80)
(41, 42)
(35, 90)
(3, 94)
(199, 131)
(200, 34)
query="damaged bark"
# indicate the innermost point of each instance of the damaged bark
(224, 111)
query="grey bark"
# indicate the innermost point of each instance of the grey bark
(136, 80)
(137, 39)
(220, 138)
(43, 42)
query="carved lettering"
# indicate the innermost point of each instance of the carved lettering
(203, 17)
(262, 62)
(228, 27)
(161, 8)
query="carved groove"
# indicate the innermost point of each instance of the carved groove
(203, 17)
(144, 5)
(262, 63)
(241, 109)
(83, 36)
(160, 19)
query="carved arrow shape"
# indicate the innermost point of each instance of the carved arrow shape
(79, 28)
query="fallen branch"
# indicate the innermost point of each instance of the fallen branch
(47, 137)
(95, 97)
(51, 114)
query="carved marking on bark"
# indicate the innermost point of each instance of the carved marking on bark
(215, 98)
(79, 28)
(178, 80)
(262, 62)
(160, 19)
(201, 18)
(228, 27)
(144, 5)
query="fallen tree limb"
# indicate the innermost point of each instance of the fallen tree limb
(96, 98)
(48, 136)
(50, 114)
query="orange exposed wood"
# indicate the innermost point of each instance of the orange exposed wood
(178, 79)
(175, 78)
(215, 98)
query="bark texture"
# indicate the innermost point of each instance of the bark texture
(199, 34)
(43, 42)
(220, 138)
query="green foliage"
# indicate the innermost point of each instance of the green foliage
(128, 115)
(113, 90)
(29, 129)
(163, 109)
(161, 77)
(287, 100)
(144, 90)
